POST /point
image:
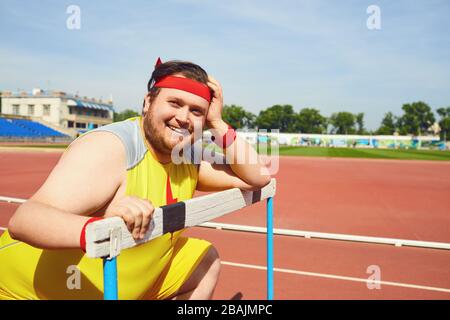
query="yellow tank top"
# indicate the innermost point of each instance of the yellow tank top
(42, 274)
(148, 178)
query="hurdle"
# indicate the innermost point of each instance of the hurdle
(108, 237)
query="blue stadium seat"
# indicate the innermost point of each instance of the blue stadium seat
(26, 128)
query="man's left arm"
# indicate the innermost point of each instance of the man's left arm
(243, 168)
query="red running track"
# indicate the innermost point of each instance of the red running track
(22, 173)
(416, 266)
(381, 198)
(387, 198)
(384, 198)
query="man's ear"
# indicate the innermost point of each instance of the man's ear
(146, 104)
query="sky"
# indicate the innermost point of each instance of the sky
(317, 54)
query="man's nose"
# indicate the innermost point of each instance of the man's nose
(182, 116)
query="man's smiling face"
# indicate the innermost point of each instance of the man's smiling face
(171, 118)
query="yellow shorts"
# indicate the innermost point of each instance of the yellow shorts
(154, 270)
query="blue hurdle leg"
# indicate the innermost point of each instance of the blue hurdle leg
(269, 248)
(110, 279)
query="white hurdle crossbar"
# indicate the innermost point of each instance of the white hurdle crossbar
(108, 237)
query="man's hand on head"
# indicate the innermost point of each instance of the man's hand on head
(214, 117)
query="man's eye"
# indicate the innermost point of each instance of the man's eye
(174, 103)
(197, 112)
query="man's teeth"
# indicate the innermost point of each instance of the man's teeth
(179, 130)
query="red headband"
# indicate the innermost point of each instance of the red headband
(184, 84)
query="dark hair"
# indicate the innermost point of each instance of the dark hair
(188, 69)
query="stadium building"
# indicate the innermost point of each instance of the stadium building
(69, 115)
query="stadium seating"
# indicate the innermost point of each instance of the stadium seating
(26, 128)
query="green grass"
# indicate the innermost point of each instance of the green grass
(403, 154)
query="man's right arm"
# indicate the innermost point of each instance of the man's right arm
(85, 179)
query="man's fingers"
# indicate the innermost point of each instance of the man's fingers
(128, 217)
(132, 216)
(214, 88)
(145, 225)
(217, 88)
(215, 85)
(138, 217)
(136, 213)
(213, 80)
(147, 212)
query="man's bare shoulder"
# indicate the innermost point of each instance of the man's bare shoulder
(100, 152)
(87, 175)
(97, 144)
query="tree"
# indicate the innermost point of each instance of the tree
(359, 118)
(310, 120)
(444, 123)
(343, 122)
(237, 117)
(280, 117)
(128, 113)
(388, 124)
(417, 118)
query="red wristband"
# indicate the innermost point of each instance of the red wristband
(83, 233)
(227, 139)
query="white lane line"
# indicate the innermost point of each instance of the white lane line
(12, 200)
(329, 236)
(336, 277)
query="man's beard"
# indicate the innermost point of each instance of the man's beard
(155, 137)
